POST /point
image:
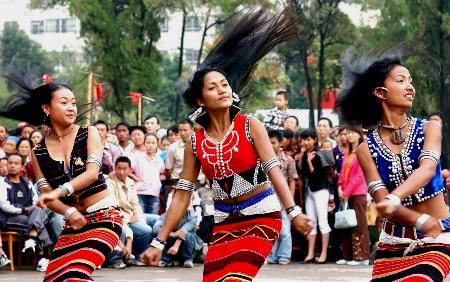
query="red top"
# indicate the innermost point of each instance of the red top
(235, 153)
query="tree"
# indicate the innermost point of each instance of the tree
(120, 37)
(321, 25)
(26, 54)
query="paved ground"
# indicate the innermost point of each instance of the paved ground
(269, 273)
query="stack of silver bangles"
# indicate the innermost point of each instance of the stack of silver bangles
(375, 186)
(157, 243)
(94, 158)
(186, 185)
(431, 155)
(273, 162)
(41, 182)
(294, 211)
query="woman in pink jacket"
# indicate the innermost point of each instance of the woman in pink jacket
(353, 189)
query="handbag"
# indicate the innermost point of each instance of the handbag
(345, 218)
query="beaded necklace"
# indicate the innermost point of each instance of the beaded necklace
(401, 164)
(219, 153)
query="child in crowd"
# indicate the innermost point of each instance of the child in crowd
(274, 119)
(282, 250)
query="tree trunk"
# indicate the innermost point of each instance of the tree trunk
(321, 76)
(205, 29)
(180, 65)
(119, 108)
(309, 88)
(444, 98)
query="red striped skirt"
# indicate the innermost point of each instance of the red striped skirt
(429, 262)
(239, 247)
(78, 253)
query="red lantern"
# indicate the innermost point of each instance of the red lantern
(98, 91)
(310, 59)
(46, 78)
(135, 96)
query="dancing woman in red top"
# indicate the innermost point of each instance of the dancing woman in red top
(235, 154)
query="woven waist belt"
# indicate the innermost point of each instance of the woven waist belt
(234, 209)
(410, 232)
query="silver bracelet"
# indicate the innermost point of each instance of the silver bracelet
(158, 244)
(69, 212)
(296, 211)
(431, 155)
(186, 185)
(41, 182)
(421, 221)
(395, 200)
(69, 188)
(94, 158)
(273, 162)
(375, 186)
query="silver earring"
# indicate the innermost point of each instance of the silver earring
(236, 98)
(379, 96)
(196, 113)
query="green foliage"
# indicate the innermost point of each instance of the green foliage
(424, 23)
(27, 55)
(120, 39)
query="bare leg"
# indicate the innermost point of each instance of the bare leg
(323, 253)
(311, 245)
(33, 232)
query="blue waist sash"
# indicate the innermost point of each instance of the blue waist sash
(236, 208)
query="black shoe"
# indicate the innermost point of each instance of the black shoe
(316, 261)
(306, 261)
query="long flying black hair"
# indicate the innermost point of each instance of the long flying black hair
(26, 103)
(362, 73)
(238, 51)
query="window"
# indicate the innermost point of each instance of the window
(52, 25)
(37, 27)
(164, 25)
(190, 56)
(68, 25)
(192, 23)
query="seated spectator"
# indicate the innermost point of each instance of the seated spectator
(24, 150)
(4, 260)
(11, 145)
(182, 243)
(17, 207)
(123, 188)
